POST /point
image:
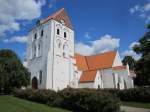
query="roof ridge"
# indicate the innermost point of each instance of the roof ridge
(87, 63)
(102, 53)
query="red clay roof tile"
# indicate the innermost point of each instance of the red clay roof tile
(88, 76)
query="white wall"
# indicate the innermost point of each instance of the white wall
(117, 60)
(35, 64)
(86, 85)
(98, 80)
(60, 67)
(107, 78)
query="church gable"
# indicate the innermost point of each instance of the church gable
(117, 60)
(60, 16)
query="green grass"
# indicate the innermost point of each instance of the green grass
(137, 104)
(13, 104)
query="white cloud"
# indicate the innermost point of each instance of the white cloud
(87, 35)
(133, 44)
(11, 11)
(103, 44)
(143, 11)
(130, 51)
(19, 39)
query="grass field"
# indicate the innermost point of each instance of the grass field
(137, 104)
(12, 104)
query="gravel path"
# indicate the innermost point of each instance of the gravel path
(133, 109)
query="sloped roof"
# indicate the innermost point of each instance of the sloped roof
(81, 62)
(58, 16)
(119, 68)
(101, 61)
(88, 76)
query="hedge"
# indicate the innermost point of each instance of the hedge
(140, 94)
(77, 100)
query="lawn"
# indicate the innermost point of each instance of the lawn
(13, 104)
(137, 104)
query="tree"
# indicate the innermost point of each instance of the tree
(12, 72)
(130, 61)
(142, 67)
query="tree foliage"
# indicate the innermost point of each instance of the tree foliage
(143, 64)
(130, 61)
(12, 72)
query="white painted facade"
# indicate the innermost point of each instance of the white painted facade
(50, 60)
(51, 54)
(109, 78)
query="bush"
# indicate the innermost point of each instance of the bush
(87, 100)
(41, 96)
(24, 94)
(79, 100)
(140, 94)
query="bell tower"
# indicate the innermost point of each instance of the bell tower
(62, 49)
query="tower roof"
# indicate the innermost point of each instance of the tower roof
(58, 16)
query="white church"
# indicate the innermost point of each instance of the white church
(53, 63)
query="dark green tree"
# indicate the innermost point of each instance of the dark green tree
(142, 67)
(12, 72)
(130, 61)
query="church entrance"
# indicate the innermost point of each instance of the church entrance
(34, 83)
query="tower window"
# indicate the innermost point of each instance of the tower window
(42, 33)
(40, 77)
(34, 51)
(65, 34)
(58, 32)
(35, 36)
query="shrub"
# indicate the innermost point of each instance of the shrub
(87, 100)
(79, 100)
(43, 96)
(140, 94)
(24, 94)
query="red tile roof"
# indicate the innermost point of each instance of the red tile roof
(101, 61)
(88, 76)
(58, 16)
(81, 62)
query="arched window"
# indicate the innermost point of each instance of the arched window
(35, 36)
(42, 32)
(65, 34)
(34, 50)
(40, 77)
(40, 48)
(58, 31)
(58, 43)
(65, 50)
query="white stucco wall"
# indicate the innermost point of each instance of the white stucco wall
(61, 66)
(117, 60)
(38, 63)
(56, 68)
(86, 85)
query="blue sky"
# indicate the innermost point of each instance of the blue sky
(99, 25)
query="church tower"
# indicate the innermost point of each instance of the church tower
(50, 49)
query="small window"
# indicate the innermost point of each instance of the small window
(59, 45)
(35, 36)
(34, 51)
(40, 77)
(64, 54)
(64, 47)
(65, 34)
(42, 33)
(58, 32)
